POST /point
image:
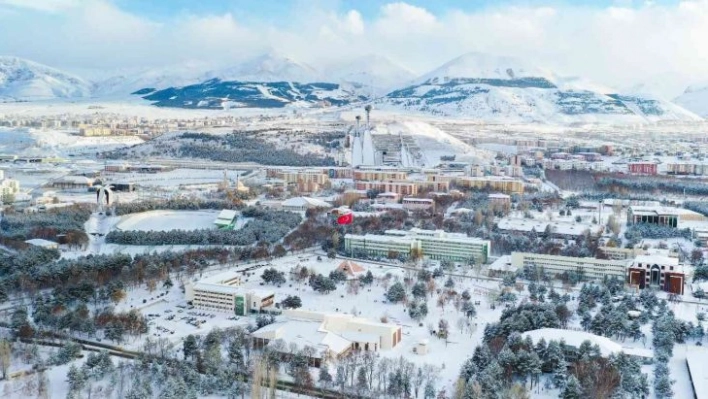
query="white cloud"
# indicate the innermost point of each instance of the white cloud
(618, 45)
(42, 5)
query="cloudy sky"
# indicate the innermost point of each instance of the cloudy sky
(618, 43)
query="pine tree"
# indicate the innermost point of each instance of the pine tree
(361, 383)
(419, 290)
(560, 374)
(325, 378)
(572, 389)
(429, 391)
(396, 292)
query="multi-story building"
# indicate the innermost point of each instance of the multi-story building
(223, 293)
(495, 183)
(657, 271)
(413, 204)
(687, 168)
(433, 244)
(591, 268)
(654, 215)
(501, 199)
(304, 175)
(398, 187)
(379, 174)
(642, 168)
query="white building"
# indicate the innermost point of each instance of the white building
(39, 242)
(223, 293)
(433, 244)
(422, 204)
(592, 268)
(333, 335)
(9, 188)
(301, 204)
(226, 219)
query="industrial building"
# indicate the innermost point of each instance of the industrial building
(332, 335)
(223, 293)
(432, 244)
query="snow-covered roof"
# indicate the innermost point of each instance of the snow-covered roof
(227, 214)
(298, 202)
(351, 268)
(656, 259)
(576, 338)
(40, 242)
(356, 336)
(303, 332)
(655, 210)
(503, 264)
(559, 227)
(499, 196)
(697, 360)
(218, 288)
(74, 180)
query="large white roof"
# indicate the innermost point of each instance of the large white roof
(305, 201)
(227, 214)
(697, 360)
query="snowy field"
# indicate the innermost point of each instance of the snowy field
(168, 220)
(61, 143)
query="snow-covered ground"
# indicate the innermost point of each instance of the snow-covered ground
(168, 220)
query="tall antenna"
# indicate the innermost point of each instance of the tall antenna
(368, 109)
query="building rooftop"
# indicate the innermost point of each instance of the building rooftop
(697, 361)
(40, 242)
(227, 214)
(305, 201)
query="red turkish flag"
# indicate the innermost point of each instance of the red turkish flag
(347, 218)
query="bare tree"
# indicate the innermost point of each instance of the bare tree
(5, 357)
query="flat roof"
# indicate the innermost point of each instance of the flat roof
(697, 361)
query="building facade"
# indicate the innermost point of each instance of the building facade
(662, 272)
(642, 168)
(590, 268)
(654, 215)
(432, 244)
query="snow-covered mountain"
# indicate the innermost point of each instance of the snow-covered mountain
(508, 90)
(375, 72)
(125, 82)
(695, 99)
(269, 67)
(217, 94)
(25, 80)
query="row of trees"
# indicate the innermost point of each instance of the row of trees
(269, 228)
(69, 221)
(177, 204)
(244, 146)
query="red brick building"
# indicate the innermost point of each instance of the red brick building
(662, 272)
(642, 168)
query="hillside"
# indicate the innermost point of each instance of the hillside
(507, 90)
(217, 94)
(695, 99)
(23, 80)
